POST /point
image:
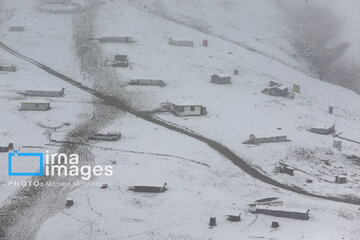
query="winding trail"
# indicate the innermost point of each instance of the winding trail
(223, 150)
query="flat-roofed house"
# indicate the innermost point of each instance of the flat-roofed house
(35, 105)
(220, 79)
(187, 110)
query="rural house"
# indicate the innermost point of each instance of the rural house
(35, 105)
(220, 79)
(182, 43)
(187, 110)
(36, 93)
(278, 91)
(323, 129)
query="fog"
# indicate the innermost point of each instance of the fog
(325, 36)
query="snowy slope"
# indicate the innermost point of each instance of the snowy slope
(242, 35)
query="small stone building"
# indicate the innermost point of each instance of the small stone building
(113, 39)
(182, 43)
(278, 91)
(340, 179)
(37, 93)
(287, 170)
(120, 61)
(35, 105)
(220, 79)
(187, 110)
(147, 82)
(148, 189)
(323, 129)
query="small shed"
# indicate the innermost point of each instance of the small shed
(7, 68)
(35, 105)
(187, 110)
(39, 93)
(120, 61)
(69, 202)
(115, 39)
(181, 43)
(149, 189)
(205, 43)
(323, 129)
(337, 144)
(302, 214)
(6, 149)
(340, 179)
(220, 79)
(287, 170)
(147, 82)
(234, 218)
(296, 88)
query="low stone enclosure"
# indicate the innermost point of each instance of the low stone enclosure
(257, 141)
(115, 39)
(302, 214)
(147, 82)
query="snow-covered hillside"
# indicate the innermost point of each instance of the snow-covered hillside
(250, 36)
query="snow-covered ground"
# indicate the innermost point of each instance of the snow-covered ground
(243, 35)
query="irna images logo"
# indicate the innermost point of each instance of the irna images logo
(56, 164)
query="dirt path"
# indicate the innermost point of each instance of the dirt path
(223, 150)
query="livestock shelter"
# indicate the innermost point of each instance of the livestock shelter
(323, 129)
(37, 93)
(148, 189)
(187, 110)
(114, 39)
(182, 43)
(147, 82)
(278, 91)
(7, 68)
(302, 214)
(35, 105)
(220, 79)
(257, 141)
(340, 179)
